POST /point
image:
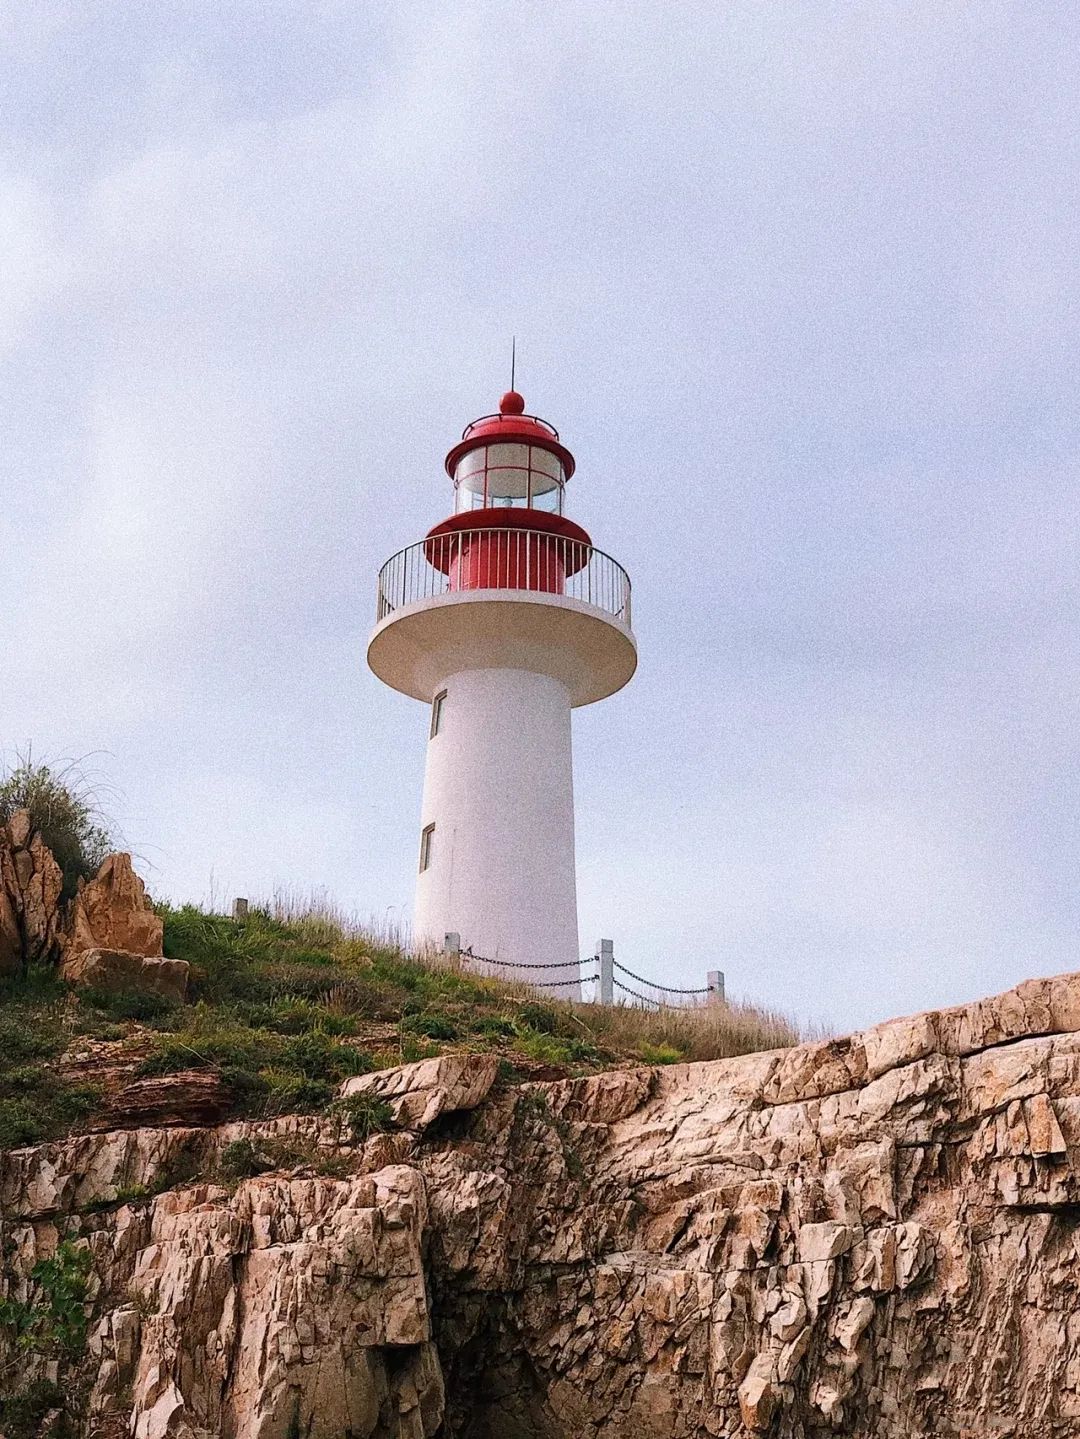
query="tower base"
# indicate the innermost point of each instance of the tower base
(498, 819)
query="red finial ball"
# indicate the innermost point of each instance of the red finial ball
(512, 403)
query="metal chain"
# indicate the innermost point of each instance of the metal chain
(644, 998)
(585, 978)
(667, 988)
(509, 963)
(559, 983)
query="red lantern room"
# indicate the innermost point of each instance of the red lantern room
(510, 460)
(508, 530)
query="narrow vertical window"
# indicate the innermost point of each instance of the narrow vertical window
(436, 712)
(426, 840)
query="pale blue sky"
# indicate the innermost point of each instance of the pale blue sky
(799, 285)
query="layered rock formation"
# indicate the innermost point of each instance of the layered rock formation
(876, 1237)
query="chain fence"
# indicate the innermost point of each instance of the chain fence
(591, 971)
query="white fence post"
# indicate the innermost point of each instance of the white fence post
(605, 954)
(451, 946)
(716, 986)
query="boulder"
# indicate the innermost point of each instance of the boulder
(419, 1093)
(118, 971)
(112, 912)
(30, 888)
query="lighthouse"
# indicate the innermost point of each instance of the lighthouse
(502, 620)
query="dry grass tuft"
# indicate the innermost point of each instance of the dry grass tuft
(714, 1031)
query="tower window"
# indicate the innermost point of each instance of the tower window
(437, 712)
(427, 838)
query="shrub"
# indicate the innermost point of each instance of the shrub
(545, 1048)
(43, 1107)
(208, 1045)
(241, 1160)
(660, 1053)
(124, 1194)
(318, 1056)
(412, 1050)
(540, 1017)
(266, 1072)
(58, 1324)
(431, 1026)
(65, 811)
(35, 1102)
(294, 1015)
(130, 1004)
(294, 1094)
(23, 1412)
(495, 1025)
(26, 1036)
(365, 1114)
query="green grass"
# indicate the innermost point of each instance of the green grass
(35, 1102)
(431, 1026)
(286, 1005)
(267, 1071)
(284, 997)
(660, 1053)
(152, 1009)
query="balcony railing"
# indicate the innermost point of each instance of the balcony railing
(504, 559)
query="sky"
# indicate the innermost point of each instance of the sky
(798, 284)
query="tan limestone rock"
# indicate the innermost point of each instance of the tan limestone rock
(30, 903)
(112, 912)
(117, 971)
(757, 1395)
(418, 1093)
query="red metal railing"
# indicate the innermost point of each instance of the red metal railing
(504, 559)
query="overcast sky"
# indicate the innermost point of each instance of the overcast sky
(798, 283)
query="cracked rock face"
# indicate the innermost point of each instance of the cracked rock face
(30, 905)
(876, 1237)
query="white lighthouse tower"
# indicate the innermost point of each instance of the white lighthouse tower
(502, 620)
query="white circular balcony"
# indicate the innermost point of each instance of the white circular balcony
(503, 598)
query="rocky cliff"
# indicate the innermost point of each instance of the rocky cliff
(874, 1236)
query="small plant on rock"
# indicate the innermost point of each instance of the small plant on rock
(365, 1114)
(660, 1053)
(55, 1327)
(241, 1160)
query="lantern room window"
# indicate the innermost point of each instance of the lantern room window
(509, 476)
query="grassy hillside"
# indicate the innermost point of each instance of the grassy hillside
(283, 1008)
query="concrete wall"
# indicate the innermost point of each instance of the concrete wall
(498, 787)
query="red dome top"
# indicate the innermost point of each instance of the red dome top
(510, 426)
